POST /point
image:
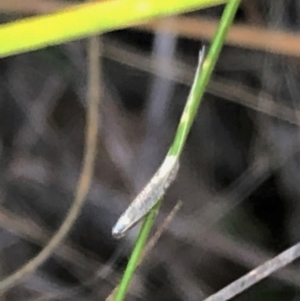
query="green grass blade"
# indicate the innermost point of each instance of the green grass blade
(136, 253)
(86, 20)
(201, 80)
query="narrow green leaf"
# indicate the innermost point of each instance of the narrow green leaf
(87, 19)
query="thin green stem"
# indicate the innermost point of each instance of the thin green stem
(136, 254)
(201, 80)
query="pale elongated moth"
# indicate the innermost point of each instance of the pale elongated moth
(162, 179)
(148, 197)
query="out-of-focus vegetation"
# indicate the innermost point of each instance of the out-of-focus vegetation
(239, 174)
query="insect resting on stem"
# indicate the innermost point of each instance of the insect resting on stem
(158, 184)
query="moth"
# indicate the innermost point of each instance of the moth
(148, 197)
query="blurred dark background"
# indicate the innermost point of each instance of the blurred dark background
(240, 171)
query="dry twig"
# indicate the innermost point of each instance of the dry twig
(257, 274)
(93, 96)
(251, 37)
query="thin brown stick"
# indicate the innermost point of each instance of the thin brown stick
(257, 274)
(152, 242)
(32, 6)
(93, 96)
(246, 36)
